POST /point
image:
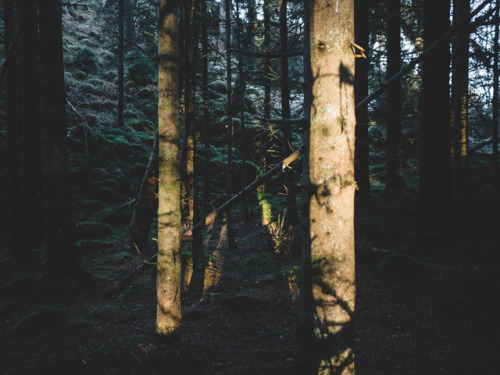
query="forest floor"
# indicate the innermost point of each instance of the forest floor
(433, 311)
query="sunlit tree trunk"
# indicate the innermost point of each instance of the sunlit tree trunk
(285, 114)
(17, 241)
(168, 283)
(62, 258)
(434, 192)
(461, 9)
(394, 160)
(362, 153)
(329, 296)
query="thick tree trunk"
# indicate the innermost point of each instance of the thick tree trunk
(461, 9)
(168, 283)
(362, 152)
(434, 193)
(394, 161)
(17, 248)
(62, 257)
(328, 301)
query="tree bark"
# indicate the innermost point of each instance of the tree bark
(147, 204)
(121, 62)
(285, 114)
(362, 152)
(206, 107)
(241, 94)
(34, 199)
(496, 74)
(461, 9)
(434, 192)
(328, 302)
(191, 11)
(229, 131)
(394, 161)
(62, 257)
(17, 248)
(168, 283)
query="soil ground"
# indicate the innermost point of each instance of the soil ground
(441, 318)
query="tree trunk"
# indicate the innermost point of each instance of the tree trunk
(434, 192)
(121, 62)
(34, 199)
(362, 152)
(494, 135)
(192, 11)
(229, 132)
(206, 108)
(62, 257)
(394, 161)
(328, 301)
(168, 283)
(147, 204)
(241, 96)
(461, 9)
(17, 248)
(285, 114)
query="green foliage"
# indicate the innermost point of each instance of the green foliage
(140, 69)
(86, 60)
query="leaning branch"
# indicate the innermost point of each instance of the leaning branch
(208, 219)
(415, 61)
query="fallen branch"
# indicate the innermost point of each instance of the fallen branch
(208, 219)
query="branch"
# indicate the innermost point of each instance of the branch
(208, 219)
(481, 145)
(415, 61)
